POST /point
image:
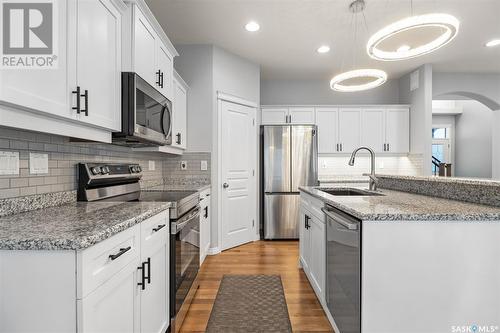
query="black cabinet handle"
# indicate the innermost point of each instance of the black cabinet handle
(161, 79)
(148, 262)
(120, 253)
(77, 92)
(86, 96)
(160, 226)
(341, 149)
(206, 212)
(178, 140)
(158, 80)
(143, 276)
(337, 147)
(307, 225)
(388, 147)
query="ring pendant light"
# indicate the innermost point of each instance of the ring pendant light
(376, 77)
(447, 24)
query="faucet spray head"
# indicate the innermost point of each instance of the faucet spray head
(351, 160)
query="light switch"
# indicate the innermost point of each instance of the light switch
(151, 165)
(380, 165)
(184, 165)
(39, 163)
(204, 166)
(9, 163)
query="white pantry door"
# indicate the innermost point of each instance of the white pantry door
(238, 154)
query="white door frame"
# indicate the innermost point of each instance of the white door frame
(217, 184)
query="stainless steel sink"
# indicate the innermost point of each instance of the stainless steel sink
(348, 191)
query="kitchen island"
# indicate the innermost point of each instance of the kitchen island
(400, 261)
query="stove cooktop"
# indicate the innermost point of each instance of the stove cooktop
(171, 196)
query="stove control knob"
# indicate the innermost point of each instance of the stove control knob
(133, 169)
(95, 170)
(105, 170)
(139, 169)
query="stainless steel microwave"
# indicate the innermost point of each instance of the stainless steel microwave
(146, 114)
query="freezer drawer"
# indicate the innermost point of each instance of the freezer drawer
(281, 215)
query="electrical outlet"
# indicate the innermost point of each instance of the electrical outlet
(151, 165)
(184, 165)
(324, 165)
(203, 165)
(380, 165)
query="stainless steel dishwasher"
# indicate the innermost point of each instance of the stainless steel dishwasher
(343, 268)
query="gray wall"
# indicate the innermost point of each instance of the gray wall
(209, 69)
(275, 92)
(473, 140)
(483, 87)
(420, 113)
(195, 66)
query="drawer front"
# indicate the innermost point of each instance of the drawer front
(99, 263)
(154, 230)
(313, 205)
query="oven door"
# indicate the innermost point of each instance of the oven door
(184, 261)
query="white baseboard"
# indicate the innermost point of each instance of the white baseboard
(213, 251)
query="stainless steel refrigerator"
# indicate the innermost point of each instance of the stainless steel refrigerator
(290, 160)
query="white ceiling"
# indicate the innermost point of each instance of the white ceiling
(292, 30)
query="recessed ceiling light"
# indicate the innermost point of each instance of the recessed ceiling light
(323, 49)
(493, 42)
(403, 48)
(448, 23)
(252, 26)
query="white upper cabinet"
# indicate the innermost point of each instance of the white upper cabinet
(98, 70)
(179, 113)
(373, 129)
(274, 116)
(45, 90)
(397, 134)
(301, 115)
(327, 122)
(349, 129)
(145, 49)
(148, 52)
(81, 96)
(285, 115)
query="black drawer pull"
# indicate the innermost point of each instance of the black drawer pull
(206, 212)
(158, 81)
(158, 228)
(86, 96)
(178, 140)
(121, 252)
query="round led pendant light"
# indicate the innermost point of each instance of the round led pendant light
(358, 80)
(441, 27)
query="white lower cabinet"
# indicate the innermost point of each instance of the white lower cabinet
(312, 240)
(204, 224)
(113, 307)
(121, 285)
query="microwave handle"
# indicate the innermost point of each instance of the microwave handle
(163, 110)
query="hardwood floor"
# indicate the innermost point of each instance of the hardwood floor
(262, 257)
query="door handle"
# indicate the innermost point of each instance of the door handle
(86, 96)
(225, 185)
(178, 141)
(206, 212)
(158, 82)
(78, 95)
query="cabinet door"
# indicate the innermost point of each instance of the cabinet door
(179, 117)
(166, 66)
(349, 129)
(317, 266)
(114, 306)
(304, 239)
(373, 129)
(398, 130)
(274, 116)
(145, 49)
(301, 115)
(155, 296)
(99, 62)
(327, 122)
(45, 90)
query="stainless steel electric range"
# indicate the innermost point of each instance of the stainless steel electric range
(120, 182)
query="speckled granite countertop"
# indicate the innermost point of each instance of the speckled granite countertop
(403, 206)
(73, 226)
